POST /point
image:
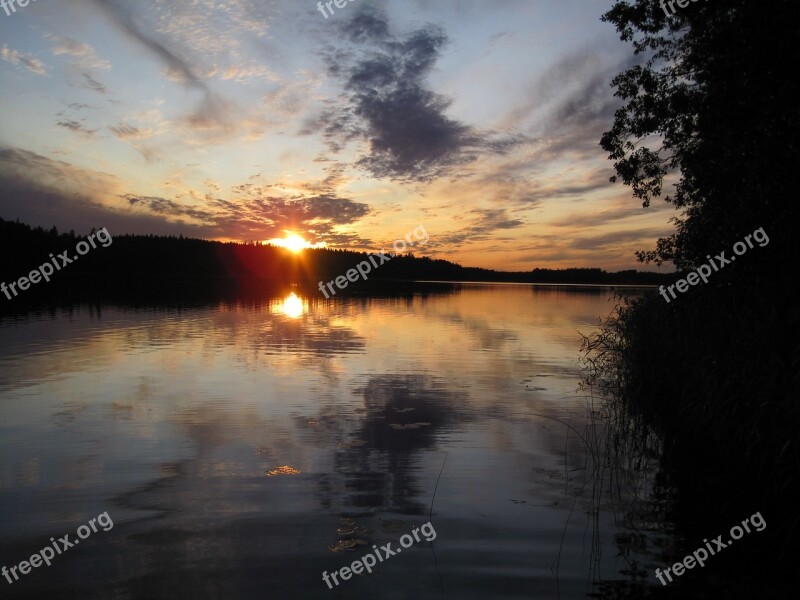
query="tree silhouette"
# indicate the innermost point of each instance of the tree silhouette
(713, 88)
(712, 107)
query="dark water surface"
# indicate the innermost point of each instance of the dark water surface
(242, 450)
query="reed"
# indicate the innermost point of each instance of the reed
(715, 379)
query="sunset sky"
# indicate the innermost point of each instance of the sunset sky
(247, 119)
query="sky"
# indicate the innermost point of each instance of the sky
(241, 120)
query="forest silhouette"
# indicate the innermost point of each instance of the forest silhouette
(143, 266)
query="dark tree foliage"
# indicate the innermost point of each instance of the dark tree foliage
(713, 108)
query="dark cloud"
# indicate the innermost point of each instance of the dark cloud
(410, 136)
(366, 26)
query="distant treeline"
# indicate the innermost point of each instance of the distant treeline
(134, 261)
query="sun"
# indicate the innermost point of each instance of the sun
(292, 242)
(295, 243)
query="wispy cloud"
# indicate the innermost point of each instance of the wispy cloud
(90, 83)
(615, 239)
(125, 131)
(485, 222)
(26, 61)
(77, 127)
(82, 54)
(121, 16)
(211, 109)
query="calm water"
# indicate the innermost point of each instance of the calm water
(242, 450)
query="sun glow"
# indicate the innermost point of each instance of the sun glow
(294, 243)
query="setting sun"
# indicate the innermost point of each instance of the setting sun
(293, 243)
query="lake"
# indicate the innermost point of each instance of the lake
(241, 449)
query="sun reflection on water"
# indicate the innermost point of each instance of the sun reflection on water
(292, 306)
